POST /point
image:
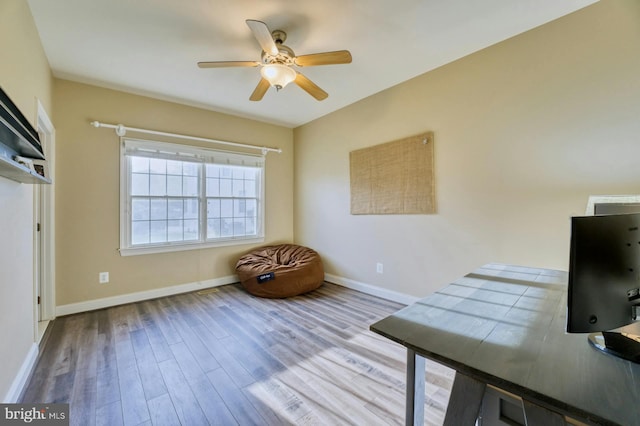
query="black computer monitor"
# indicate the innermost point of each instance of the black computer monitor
(604, 281)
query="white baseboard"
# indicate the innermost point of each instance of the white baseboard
(106, 302)
(371, 289)
(21, 378)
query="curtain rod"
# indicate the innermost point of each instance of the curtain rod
(121, 130)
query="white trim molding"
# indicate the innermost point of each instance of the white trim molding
(106, 302)
(20, 381)
(45, 127)
(395, 296)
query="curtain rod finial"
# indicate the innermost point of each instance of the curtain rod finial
(95, 124)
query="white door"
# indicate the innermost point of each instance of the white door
(38, 255)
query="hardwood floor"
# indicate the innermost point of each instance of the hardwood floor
(223, 357)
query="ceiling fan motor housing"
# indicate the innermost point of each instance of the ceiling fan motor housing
(277, 62)
(285, 54)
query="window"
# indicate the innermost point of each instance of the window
(179, 197)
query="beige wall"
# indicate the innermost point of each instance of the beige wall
(24, 76)
(524, 131)
(87, 195)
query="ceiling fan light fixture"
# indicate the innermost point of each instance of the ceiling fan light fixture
(278, 75)
(277, 62)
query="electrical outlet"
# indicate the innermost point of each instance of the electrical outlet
(103, 277)
(379, 268)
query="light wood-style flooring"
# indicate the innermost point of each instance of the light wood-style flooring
(223, 357)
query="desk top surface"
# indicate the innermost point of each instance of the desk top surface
(505, 325)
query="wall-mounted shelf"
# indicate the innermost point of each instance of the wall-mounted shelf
(21, 155)
(18, 172)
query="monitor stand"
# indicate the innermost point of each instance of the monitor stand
(617, 343)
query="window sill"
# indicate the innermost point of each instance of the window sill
(134, 251)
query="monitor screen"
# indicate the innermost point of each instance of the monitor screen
(604, 280)
(604, 272)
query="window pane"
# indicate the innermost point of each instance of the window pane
(139, 165)
(226, 208)
(158, 166)
(140, 209)
(213, 228)
(158, 231)
(213, 170)
(158, 209)
(251, 173)
(250, 208)
(139, 184)
(213, 187)
(213, 208)
(158, 185)
(225, 172)
(249, 188)
(238, 173)
(238, 188)
(238, 227)
(190, 169)
(140, 232)
(176, 210)
(226, 228)
(239, 208)
(190, 229)
(174, 185)
(190, 186)
(225, 188)
(191, 209)
(251, 226)
(174, 167)
(174, 230)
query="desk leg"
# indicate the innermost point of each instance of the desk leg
(465, 401)
(415, 389)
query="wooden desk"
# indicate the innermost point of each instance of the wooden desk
(504, 326)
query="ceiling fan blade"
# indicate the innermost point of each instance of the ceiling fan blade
(263, 35)
(310, 87)
(326, 58)
(260, 90)
(227, 64)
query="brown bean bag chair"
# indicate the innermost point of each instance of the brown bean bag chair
(280, 271)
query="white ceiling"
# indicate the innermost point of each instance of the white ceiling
(151, 47)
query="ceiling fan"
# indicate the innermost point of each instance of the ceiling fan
(277, 62)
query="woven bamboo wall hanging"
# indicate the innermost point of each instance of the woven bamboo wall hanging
(394, 178)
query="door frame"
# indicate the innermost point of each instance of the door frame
(44, 250)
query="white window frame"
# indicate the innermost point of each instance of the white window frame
(185, 152)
